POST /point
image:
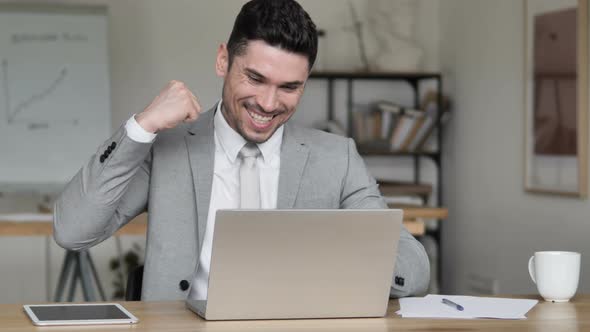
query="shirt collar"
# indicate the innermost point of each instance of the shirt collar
(231, 142)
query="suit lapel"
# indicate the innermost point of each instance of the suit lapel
(201, 152)
(200, 144)
(294, 155)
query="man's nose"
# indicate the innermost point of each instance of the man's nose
(268, 99)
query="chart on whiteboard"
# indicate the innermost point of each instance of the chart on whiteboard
(27, 110)
(54, 91)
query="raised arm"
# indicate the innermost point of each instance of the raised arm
(112, 188)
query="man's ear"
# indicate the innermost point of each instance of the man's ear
(222, 61)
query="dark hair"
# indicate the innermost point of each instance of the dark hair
(279, 23)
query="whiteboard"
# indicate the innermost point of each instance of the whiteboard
(54, 92)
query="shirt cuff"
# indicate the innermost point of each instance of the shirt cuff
(137, 133)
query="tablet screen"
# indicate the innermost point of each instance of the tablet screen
(78, 312)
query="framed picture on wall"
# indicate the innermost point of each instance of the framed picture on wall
(556, 97)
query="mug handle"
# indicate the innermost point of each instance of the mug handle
(532, 268)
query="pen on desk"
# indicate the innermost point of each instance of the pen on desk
(452, 304)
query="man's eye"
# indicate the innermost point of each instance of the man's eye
(254, 79)
(289, 88)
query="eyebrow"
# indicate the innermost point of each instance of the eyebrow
(262, 77)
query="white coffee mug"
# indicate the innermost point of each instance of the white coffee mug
(556, 274)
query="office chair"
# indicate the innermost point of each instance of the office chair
(134, 283)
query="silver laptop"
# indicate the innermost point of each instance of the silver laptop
(286, 264)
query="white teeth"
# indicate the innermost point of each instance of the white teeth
(260, 118)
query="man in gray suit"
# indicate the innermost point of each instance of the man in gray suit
(181, 164)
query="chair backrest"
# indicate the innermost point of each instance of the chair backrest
(134, 283)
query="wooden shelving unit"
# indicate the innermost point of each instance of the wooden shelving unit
(413, 79)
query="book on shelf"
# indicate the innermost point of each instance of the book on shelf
(425, 130)
(387, 126)
(359, 128)
(406, 193)
(400, 188)
(369, 123)
(397, 201)
(429, 136)
(406, 127)
(390, 113)
(376, 122)
(433, 118)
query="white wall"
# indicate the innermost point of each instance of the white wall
(154, 41)
(495, 226)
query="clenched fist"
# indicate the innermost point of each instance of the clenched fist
(174, 104)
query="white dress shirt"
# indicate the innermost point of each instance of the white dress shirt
(225, 191)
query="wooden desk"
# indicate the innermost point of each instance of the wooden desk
(413, 217)
(423, 212)
(173, 316)
(138, 226)
(77, 265)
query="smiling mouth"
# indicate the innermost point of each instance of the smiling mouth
(260, 118)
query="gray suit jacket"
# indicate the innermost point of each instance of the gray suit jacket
(172, 177)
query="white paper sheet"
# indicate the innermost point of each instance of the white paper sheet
(431, 306)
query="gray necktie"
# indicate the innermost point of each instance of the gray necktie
(249, 177)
